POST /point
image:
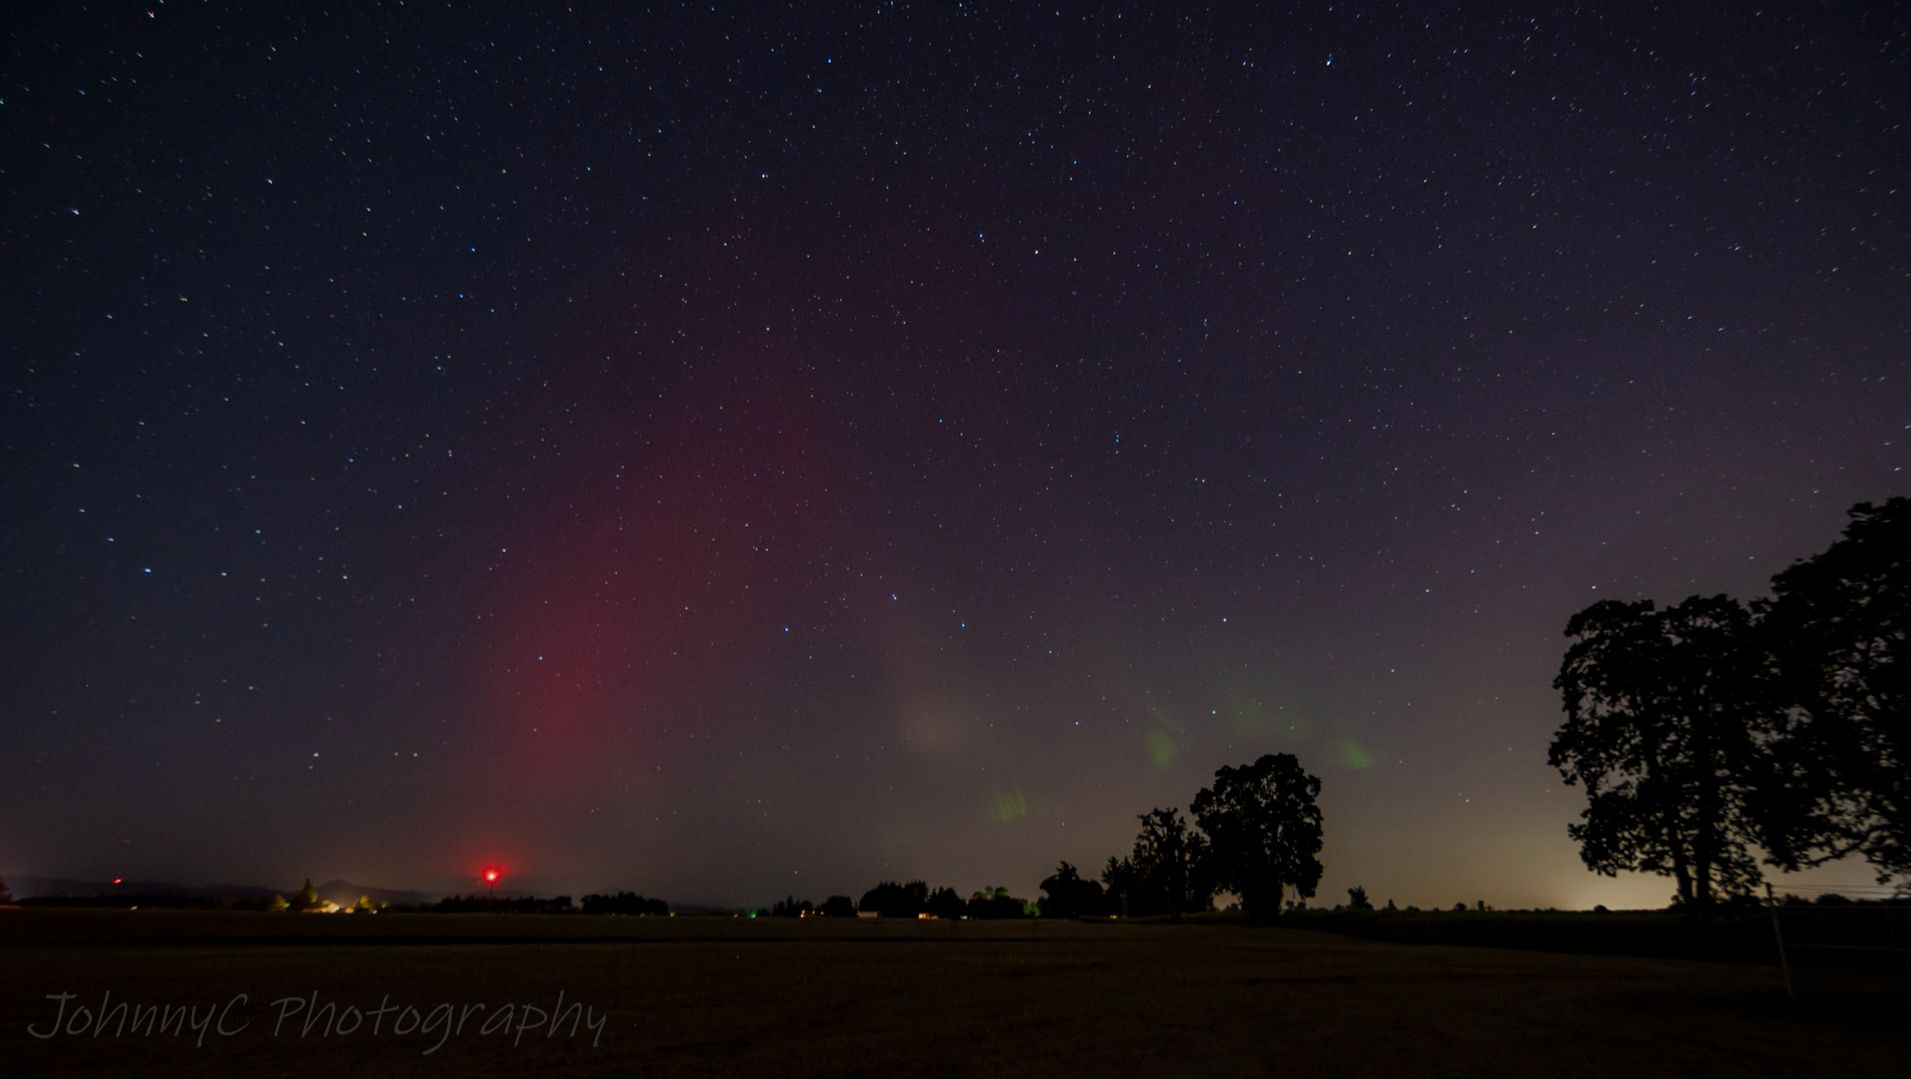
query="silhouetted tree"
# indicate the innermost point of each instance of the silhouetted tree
(1171, 862)
(1357, 899)
(522, 904)
(1122, 882)
(308, 897)
(1265, 828)
(944, 903)
(839, 906)
(1838, 624)
(6, 896)
(996, 903)
(626, 903)
(892, 900)
(1665, 716)
(790, 907)
(364, 905)
(1066, 894)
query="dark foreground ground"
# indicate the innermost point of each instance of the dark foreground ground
(694, 996)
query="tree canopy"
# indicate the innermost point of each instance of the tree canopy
(1167, 873)
(1667, 716)
(892, 900)
(307, 898)
(1837, 624)
(624, 903)
(1264, 827)
(944, 903)
(1705, 729)
(1067, 894)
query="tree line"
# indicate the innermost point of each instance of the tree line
(1713, 730)
(1257, 833)
(308, 900)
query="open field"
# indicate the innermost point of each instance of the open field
(693, 996)
(1735, 936)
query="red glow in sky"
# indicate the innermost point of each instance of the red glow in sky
(491, 875)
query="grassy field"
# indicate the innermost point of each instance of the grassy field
(697, 996)
(1851, 937)
(1736, 936)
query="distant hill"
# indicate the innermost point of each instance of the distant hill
(342, 892)
(35, 887)
(345, 893)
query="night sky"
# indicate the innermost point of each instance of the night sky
(728, 450)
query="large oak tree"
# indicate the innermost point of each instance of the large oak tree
(1841, 782)
(1667, 716)
(1264, 831)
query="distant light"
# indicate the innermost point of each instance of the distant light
(117, 880)
(491, 876)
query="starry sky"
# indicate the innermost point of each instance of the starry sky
(722, 450)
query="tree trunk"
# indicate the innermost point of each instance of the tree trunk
(1705, 845)
(1680, 872)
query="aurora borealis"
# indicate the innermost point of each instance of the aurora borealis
(725, 451)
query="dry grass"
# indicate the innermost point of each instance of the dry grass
(692, 996)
